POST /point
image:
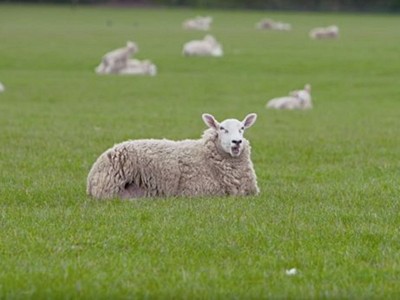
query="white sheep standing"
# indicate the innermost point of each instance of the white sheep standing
(2, 88)
(273, 25)
(330, 32)
(139, 67)
(206, 47)
(218, 164)
(298, 99)
(198, 23)
(113, 62)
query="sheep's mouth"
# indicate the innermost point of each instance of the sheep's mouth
(235, 150)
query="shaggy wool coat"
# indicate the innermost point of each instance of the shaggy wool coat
(164, 168)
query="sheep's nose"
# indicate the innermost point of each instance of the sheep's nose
(237, 142)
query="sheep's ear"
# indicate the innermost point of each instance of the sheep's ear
(249, 120)
(210, 121)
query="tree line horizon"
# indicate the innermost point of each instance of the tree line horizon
(290, 5)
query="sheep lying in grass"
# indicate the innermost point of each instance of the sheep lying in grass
(118, 62)
(273, 25)
(218, 164)
(206, 47)
(139, 67)
(198, 23)
(2, 88)
(113, 62)
(299, 99)
(330, 32)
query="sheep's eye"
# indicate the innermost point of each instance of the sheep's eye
(242, 128)
(223, 129)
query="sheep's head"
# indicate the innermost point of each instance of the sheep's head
(303, 95)
(210, 39)
(230, 132)
(132, 47)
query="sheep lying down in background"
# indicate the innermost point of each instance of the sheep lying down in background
(119, 62)
(330, 32)
(298, 99)
(218, 164)
(132, 67)
(273, 25)
(205, 47)
(117, 59)
(139, 67)
(2, 88)
(198, 23)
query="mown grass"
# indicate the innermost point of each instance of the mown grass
(329, 205)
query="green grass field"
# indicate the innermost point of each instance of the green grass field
(329, 178)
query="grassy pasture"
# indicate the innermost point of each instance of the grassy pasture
(329, 177)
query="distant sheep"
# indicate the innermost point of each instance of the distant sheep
(118, 62)
(198, 23)
(206, 47)
(299, 99)
(113, 62)
(218, 164)
(273, 25)
(138, 67)
(2, 88)
(330, 32)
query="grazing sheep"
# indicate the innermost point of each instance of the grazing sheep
(198, 23)
(113, 62)
(298, 99)
(139, 67)
(218, 164)
(273, 25)
(330, 32)
(2, 88)
(206, 47)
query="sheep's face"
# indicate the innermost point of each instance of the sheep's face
(132, 47)
(230, 132)
(303, 95)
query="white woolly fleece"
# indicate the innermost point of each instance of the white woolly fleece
(164, 168)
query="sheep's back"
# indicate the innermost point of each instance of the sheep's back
(157, 164)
